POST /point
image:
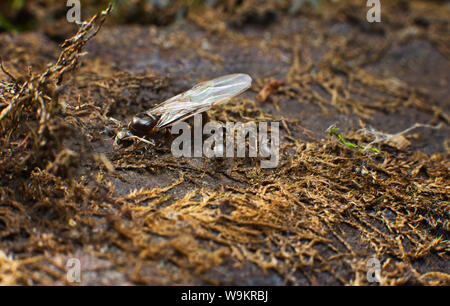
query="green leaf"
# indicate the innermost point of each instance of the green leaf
(335, 132)
(17, 5)
(6, 25)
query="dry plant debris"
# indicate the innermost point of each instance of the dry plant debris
(316, 219)
(268, 89)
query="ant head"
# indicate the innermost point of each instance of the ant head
(123, 138)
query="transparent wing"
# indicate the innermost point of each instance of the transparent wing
(200, 98)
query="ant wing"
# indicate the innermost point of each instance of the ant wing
(200, 98)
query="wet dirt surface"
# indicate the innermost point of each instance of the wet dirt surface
(316, 219)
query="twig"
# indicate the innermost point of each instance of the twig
(5, 71)
(36, 86)
(383, 137)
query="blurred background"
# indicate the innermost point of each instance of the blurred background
(21, 15)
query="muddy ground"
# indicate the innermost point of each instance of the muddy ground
(141, 216)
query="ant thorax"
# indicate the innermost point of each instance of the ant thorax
(143, 124)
